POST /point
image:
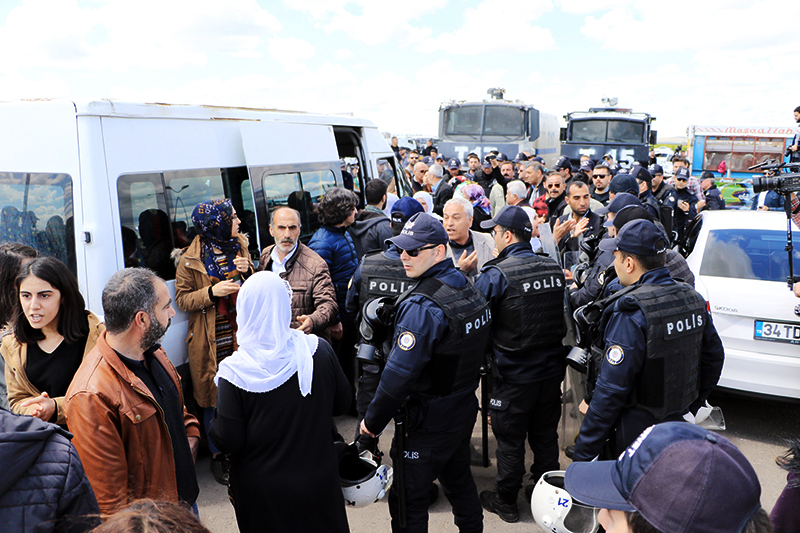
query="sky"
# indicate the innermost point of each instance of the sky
(701, 62)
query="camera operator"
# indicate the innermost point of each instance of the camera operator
(662, 355)
(793, 151)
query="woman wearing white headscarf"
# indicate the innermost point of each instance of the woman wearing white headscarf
(277, 396)
(426, 200)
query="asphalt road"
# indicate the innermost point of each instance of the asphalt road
(757, 426)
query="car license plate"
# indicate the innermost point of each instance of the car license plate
(777, 332)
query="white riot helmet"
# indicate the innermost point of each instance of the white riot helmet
(554, 509)
(363, 480)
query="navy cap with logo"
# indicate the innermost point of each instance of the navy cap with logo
(655, 168)
(620, 200)
(562, 163)
(628, 214)
(639, 237)
(682, 174)
(501, 157)
(510, 216)
(587, 165)
(623, 183)
(486, 164)
(678, 476)
(428, 160)
(454, 163)
(538, 159)
(420, 230)
(404, 208)
(520, 157)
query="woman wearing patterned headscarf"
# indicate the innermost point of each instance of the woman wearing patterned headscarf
(481, 205)
(208, 277)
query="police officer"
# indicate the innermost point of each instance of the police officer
(662, 354)
(526, 294)
(380, 274)
(442, 328)
(594, 277)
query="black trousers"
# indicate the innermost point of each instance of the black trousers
(520, 411)
(367, 386)
(442, 456)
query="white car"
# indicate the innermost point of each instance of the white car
(741, 266)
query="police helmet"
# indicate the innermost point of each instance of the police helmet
(363, 480)
(554, 509)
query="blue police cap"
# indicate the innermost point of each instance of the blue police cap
(620, 200)
(682, 174)
(454, 163)
(510, 216)
(623, 183)
(404, 208)
(420, 230)
(638, 237)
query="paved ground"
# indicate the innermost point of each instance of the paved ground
(756, 426)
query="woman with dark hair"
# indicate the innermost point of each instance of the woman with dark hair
(12, 257)
(278, 394)
(53, 331)
(207, 279)
(150, 516)
(336, 212)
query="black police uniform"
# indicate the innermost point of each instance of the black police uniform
(526, 293)
(441, 332)
(650, 203)
(379, 274)
(682, 218)
(662, 358)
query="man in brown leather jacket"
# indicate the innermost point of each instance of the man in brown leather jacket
(314, 305)
(125, 407)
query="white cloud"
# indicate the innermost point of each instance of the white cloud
(291, 52)
(120, 34)
(369, 21)
(343, 53)
(494, 26)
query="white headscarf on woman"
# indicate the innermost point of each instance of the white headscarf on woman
(427, 198)
(270, 352)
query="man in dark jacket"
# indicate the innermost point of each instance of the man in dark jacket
(440, 190)
(43, 486)
(556, 196)
(714, 200)
(685, 208)
(372, 227)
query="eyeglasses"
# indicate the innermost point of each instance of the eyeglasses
(554, 186)
(599, 175)
(415, 252)
(681, 179)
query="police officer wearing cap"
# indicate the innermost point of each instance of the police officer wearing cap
(662, 355)
(526, 294)
(441, 330)
(380, 274)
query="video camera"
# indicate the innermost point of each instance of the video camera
(374, 328)
(778, 181)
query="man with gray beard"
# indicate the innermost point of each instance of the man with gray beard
(125, 405)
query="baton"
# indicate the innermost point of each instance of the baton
(399, 465)
(485, 414)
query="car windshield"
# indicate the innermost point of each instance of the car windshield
(747, 254)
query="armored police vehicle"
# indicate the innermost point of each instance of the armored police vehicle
(103, 185)
(623, 134)
(507, 126)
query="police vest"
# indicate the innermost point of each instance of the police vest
(458, 355)
(532, 314)
(675, 315)
(382, 276)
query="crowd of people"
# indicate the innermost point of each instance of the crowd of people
(479, 272)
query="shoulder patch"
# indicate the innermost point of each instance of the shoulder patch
(615, 354)
(601, 277)
(406, 341)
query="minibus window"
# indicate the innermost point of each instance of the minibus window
(36, 209)
(316, 182)
(147, 239)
